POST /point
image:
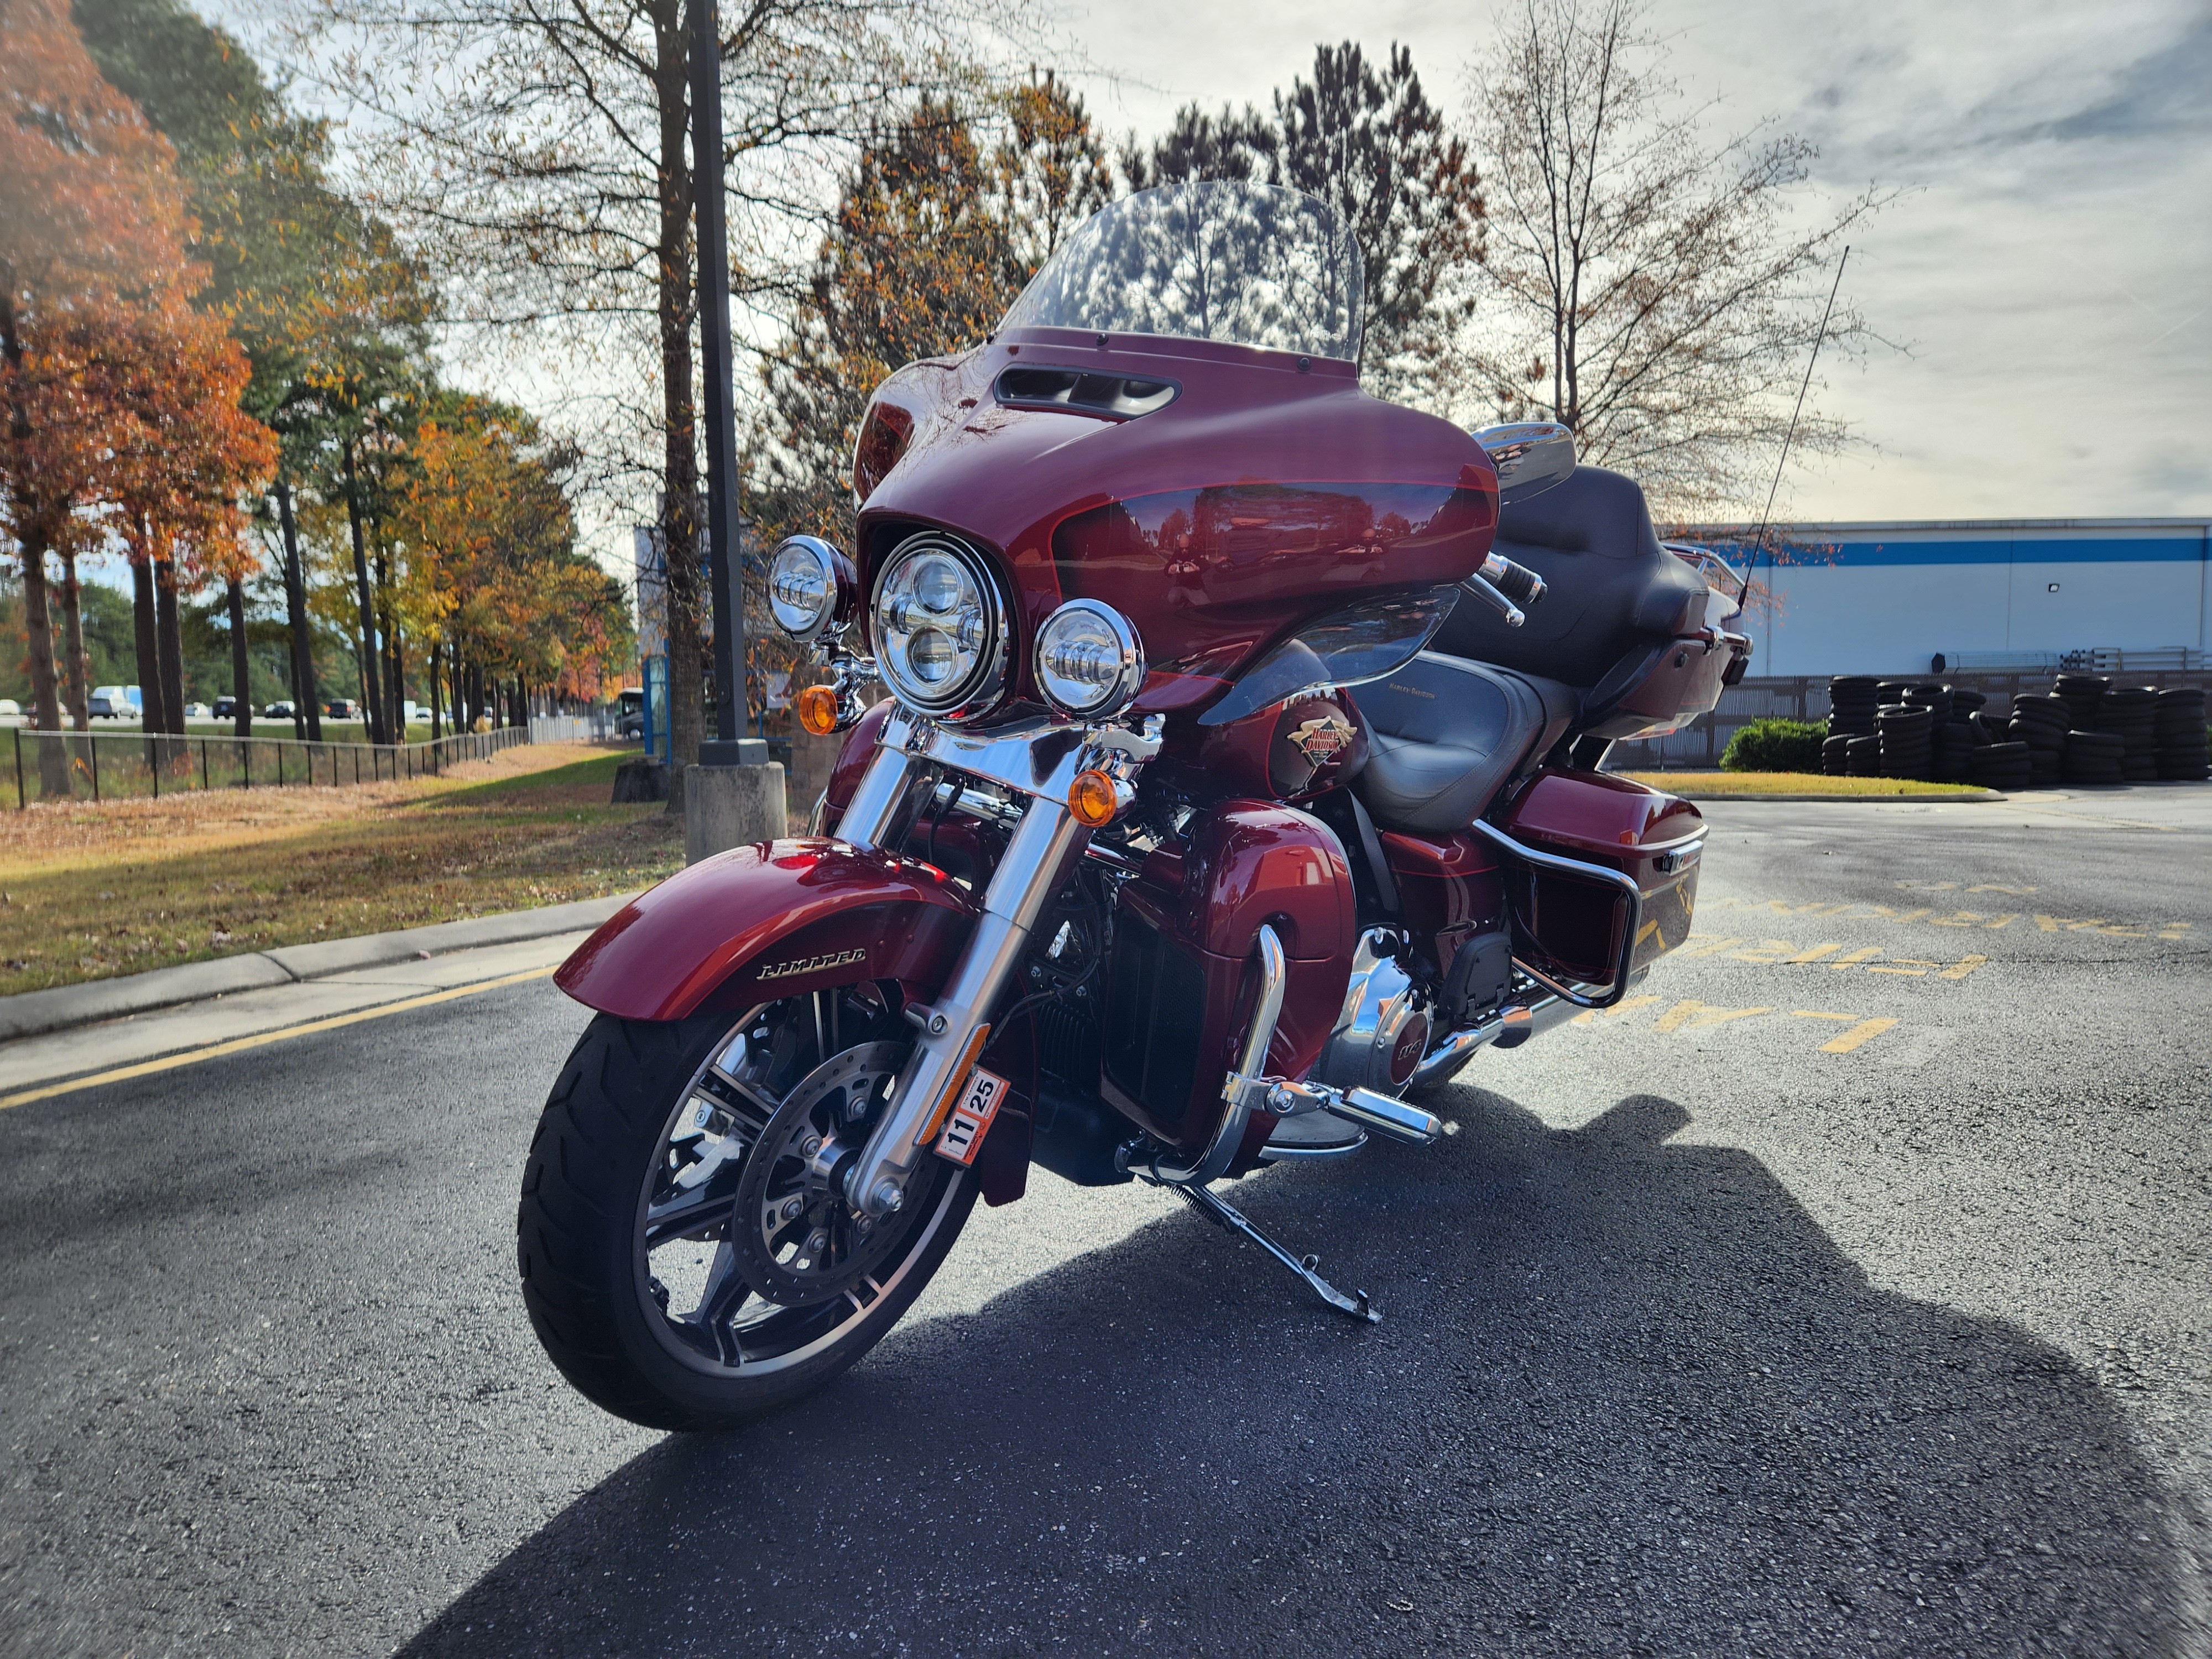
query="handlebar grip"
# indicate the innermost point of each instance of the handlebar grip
(1516, 581)
(1479, 586)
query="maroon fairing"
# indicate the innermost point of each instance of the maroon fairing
(1266, 492)
(725, 933)
(1291, 750)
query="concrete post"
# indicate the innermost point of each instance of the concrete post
(727, 806)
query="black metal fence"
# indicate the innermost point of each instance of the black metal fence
(121, 765)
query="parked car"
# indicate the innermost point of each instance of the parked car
(198, 711)
(280, 711)
(9, 709)
(115, 702)
(632, 712)
(227, 708)
(342, 709)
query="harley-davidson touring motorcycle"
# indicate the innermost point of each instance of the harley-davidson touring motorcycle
(1238, 781)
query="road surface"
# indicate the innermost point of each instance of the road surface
(1846, 1293)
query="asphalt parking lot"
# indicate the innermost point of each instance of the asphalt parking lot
(1843, 1293)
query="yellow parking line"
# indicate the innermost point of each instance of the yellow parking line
(238, 1045)
(1865, 1031)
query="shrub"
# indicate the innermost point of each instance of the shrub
(1775, 746)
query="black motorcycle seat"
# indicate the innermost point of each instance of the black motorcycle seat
(1444, 735)
(1611, 588)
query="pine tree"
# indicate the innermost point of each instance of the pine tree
(1369, 142)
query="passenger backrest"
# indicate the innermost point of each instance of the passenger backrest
(1611, 588)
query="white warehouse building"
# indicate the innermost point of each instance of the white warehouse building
(1989, 596)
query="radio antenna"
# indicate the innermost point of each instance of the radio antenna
(1758, 543)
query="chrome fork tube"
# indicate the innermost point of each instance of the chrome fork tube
(872, 816)
(1024, 883)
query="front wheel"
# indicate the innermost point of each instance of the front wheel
(677, 1166)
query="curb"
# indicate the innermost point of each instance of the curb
(35, 1012)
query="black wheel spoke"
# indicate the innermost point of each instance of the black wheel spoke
(750, 1093)
(687, 1214)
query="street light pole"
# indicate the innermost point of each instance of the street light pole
(714, 305)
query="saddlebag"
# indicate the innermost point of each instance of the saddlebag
(1601, 875)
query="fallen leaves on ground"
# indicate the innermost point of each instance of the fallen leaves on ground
(91, 891)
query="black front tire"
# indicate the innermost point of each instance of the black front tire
(579, 1243)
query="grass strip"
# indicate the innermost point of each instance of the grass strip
(1796, 783)
(90, 891)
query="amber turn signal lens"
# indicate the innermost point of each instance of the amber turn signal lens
(1093, 800)
(818, 710)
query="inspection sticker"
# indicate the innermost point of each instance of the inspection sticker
(964, 1128)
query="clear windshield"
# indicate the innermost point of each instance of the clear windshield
(1244, 263)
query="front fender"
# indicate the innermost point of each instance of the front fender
(773, 919)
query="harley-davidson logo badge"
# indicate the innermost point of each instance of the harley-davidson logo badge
(1320, 740)
(812, 965)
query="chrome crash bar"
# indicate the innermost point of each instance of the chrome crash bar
(1631, 929)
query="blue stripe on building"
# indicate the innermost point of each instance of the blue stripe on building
(1886, 597)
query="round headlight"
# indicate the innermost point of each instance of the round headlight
(805, 585)
(1089, 659)
(940, 627)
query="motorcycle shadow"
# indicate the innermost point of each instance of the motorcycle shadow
(1628, 1398)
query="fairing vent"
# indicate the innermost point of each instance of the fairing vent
(1084, 391)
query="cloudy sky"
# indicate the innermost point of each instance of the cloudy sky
(2049, 278)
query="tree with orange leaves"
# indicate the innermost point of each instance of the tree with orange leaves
(182, 454)
(91, 220)
(492, 575)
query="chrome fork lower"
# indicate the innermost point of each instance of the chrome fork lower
(953, 1031)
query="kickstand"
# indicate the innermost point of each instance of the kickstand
(1224, 1214)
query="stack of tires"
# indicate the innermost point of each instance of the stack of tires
(2004, 766)
(2040, 723)
(2083, 694)
(1954, 734)
(2130, 713)
(2085, 730)
(2094, 757)
(1906, 734)
(2182, 753)
(1994, 760)
(1852, 700)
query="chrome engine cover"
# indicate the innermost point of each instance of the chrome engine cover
(1380, 1035)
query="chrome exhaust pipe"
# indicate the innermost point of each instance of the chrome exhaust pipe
(1508, 1028)
(1443, 1063)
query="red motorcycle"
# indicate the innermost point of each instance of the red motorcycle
(1239, 779)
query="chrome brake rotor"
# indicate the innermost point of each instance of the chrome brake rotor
(794, 1238)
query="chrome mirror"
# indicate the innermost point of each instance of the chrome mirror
(1530, 456)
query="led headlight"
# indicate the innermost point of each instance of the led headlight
(1089, 659)
(807, 581)
(940, 627)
